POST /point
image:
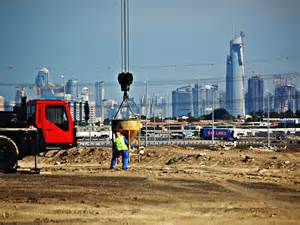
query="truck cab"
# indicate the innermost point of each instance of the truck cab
(53, 120)
(33, 127)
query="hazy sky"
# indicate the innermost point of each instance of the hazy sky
(81, 38)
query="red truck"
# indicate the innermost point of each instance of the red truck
(33, 127)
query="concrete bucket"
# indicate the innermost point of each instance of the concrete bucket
(130, 128)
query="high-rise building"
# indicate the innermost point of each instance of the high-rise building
(285, 98)
(235, 73)
(42, 79)
(42, 83)
(110, 108)
(21, 92)
(182, 101)
(9, 105)
(158, 106)
(198, 100)
(212, 98)
(269, 103)
(143, 106)
(92, 108)
(205, 98)
(297, 100)
(72, 89)
(255, 95)
(85, 94)
(78, 114)
(99, 97)
(222, 99)
(1, 103)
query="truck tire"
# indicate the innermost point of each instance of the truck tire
(8, 153)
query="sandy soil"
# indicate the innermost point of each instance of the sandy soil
(170, 185)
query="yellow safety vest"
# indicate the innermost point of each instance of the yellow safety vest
(120, 143)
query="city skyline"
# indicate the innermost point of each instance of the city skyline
(191, 101)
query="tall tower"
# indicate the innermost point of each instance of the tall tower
(21, 92)
(297, 100)
(235, 75)
(182, 101)
(205, 98)
(42, 82)
(285, 98)
(199, 100)
(72, 88)
(85, 94)
(255, 95)
(99, 97)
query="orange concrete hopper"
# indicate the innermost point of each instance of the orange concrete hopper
(130, 128)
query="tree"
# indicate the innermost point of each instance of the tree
(219, 114)
(272, 115)
(256, 116)
(288, 114)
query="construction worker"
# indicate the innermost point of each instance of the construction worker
(120, 147)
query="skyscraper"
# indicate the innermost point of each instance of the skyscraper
(42, 83)
(158, 106)
(297, 100)
(222, 99)
(205, 98)
(269, 102)
(285, 98)
(235, 73)
(85, 94)
(92, 110)
(182, 101)
(99, 97)
(255, 95)
(42, 79)
(198, 100)
(72, 89)
(21, 92)
(143, 106)
(111, 107)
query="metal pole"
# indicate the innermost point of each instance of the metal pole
(269, 121)
(169, 115)
(122, 37)
(146, 104)
(90, 136)
(36, 152)
(154, 130)
(146, 138)
(213, 117)
(146, 98)
(63, 83)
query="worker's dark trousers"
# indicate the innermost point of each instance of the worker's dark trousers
(116, 154)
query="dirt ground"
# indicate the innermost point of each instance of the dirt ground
(170, 185)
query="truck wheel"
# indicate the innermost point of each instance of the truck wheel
(8, 153)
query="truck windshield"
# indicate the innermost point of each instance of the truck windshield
(57, 115)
